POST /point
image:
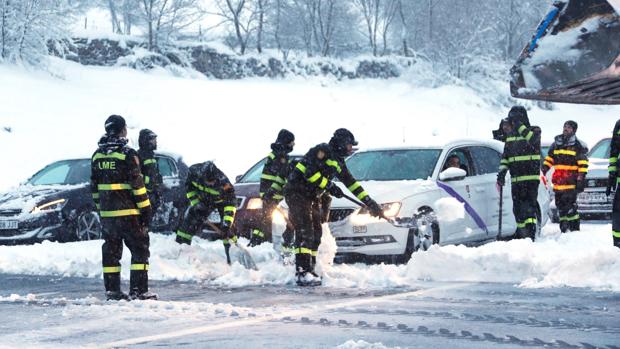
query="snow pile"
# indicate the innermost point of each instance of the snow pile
(580, 259)
(449, 209)
(360, 344)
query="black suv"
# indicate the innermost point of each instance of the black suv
(56, 203)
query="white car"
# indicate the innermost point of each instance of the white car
(426, 201)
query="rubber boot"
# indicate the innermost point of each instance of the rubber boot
(112, 283)
(139, 286)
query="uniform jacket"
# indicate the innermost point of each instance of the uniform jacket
(569, 159)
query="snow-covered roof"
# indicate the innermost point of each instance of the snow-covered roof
(441, 144)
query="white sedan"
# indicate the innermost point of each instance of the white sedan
(428, 202)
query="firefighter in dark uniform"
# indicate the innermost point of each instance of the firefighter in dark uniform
(272, 180)
(522, 158)
(613, 183)
(568, 156)
(307, 184)
(207, 189)
(120, 196)
(150, 169)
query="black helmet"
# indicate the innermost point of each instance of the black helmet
(114, 124)
(208, 171)
(147, 139)
(572, 124)
(519, 113)
(341, 138)
(285, 137)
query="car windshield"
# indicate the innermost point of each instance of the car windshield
(253, 174)
(63, 172)
(393, 165)
(601, 149)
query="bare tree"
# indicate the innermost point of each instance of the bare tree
(164, 19)
(241, 16)
(378, 16)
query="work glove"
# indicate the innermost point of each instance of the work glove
(226, 230)
(612, 183)
(334, 190)
(373, 207)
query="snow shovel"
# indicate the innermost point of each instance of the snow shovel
(245, 258)
(501, 207)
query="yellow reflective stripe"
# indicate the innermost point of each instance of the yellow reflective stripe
(315, 177)
(98, 206)
(149, 161)
(194, 202)
(302, 250)
(613, 160)
(529, 136)
(354, 186)
(301, 167)
(612, 168)
(525, 178)
(582, 162)
(333, 163)
(119, 213)
(524, 158)
(583, 170)
(115, 155)
(565, 152)
(315, 253)
(95, 195)
(206, 189)
(323, 184)
(271, 156)
(527, 221)
(230, 208)
(109, 270)
(522, 128)
(139, 267)
(229, 219)
(147, 179)
(278, 197)
(569, 218)
(514, 139)
(191, 194)
(503, 167)
(549, 158)
(566, 167)
(273, 178)
(547, 164)
(258, 233)
(143, 204)
(564, 187)
(276, 186)
(139, 191)
(227, 241)
(362, 195)
(114, 186)
(616, 234)
(184, 235)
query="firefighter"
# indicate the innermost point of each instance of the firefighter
(522, 158)
(150, 169)
(208, 189)
(613, 183)
(125, 210)
(307, 184)
(273, 178)
(568, 156)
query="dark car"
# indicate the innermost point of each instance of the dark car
(56, 203)
(593, 202)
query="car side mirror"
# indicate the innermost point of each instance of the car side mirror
(238, 178)
(452, 174)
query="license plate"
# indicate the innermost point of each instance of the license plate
(593, 197)
(9, 225)
(359, 229)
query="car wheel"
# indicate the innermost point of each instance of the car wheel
(428, 228)
(88, 226)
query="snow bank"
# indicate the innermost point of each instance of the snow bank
(580, 259)
(360, 344)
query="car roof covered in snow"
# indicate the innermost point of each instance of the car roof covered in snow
(499, 146)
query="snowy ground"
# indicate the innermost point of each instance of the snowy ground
(61, 116)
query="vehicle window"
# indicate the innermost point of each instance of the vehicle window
(253, 174)
(55, 173)
(601, 150)
(393, 165)
(486, 160)
(167, 168)
(463, 162)
(79, 172)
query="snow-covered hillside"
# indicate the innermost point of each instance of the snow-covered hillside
(60, 116)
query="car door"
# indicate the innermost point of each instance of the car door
(471, 226)
(487, 160)
(171, 192)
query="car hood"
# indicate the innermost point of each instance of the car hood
(597, 168)
(26, 197)
(388, 191)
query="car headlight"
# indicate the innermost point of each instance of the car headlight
(255, 204)
(49, 206)
(390, 209)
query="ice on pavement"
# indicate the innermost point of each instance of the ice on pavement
(578, 259)
(361, 344)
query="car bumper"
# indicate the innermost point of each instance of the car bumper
(33, 229)
(595, 202)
